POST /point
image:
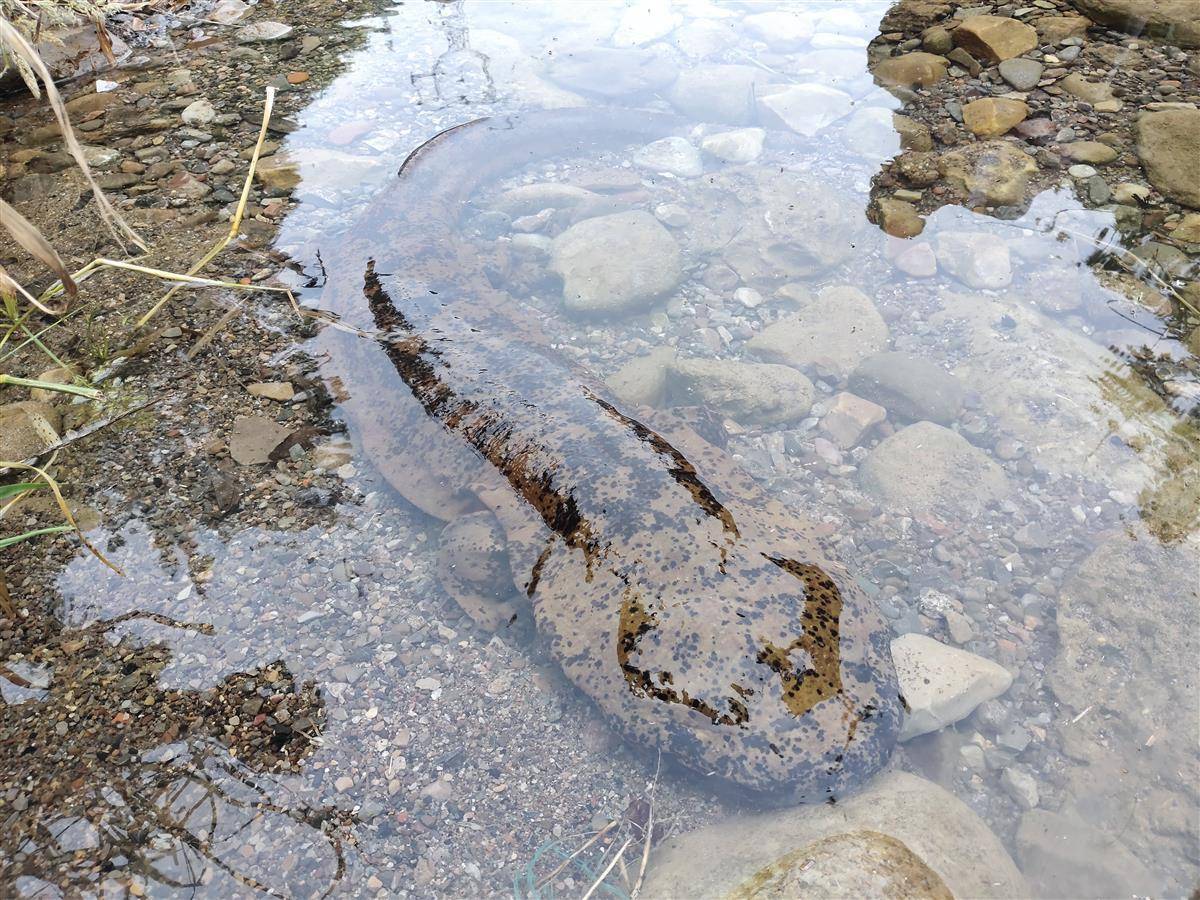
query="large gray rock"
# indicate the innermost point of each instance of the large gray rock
(751, 393)
(1063, 856)
(719, 93)
(1167, 143)
(909, 387)
(926, 468)
(1174, 21)
(1023, 74)
(734, 856)
(942, 684)
(832, 333)
(613, 264)
(27, 428)
(608, 72)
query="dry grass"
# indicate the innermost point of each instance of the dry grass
(39, 20)
(18, 46)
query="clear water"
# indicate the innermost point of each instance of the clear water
(446, 760)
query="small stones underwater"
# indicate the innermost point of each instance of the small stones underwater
(928, 269)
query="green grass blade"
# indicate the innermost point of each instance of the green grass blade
(89, 392)
(11, 490)
(7, 542)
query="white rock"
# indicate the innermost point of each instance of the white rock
(748, 297)
(807, 108)
(261, 32)
(742, 145)
(643, 22)
(672, 214)
(977, 259)
(99, 157)
(782, 30)
(198, 112)
(942, 684)
(227, 12)
(675, 155)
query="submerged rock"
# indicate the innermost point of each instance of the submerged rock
(1089, 91)
(832, 333)
(741, 146)
(1063, 856)
(253, 439)
(750, 393)
(915, 830)
(926, 468)
(674, 155)
(883, 867)
(609, 72)
(976, 258)
(942, 684)
(719, 93)
(790, 227)
(643, 381)
(909, 387)
(806, 108)
(616, 263)
(782, 29)
(994, 173)
(1023, 74)
(1055, 390)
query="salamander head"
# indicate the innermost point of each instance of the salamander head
(771, 671)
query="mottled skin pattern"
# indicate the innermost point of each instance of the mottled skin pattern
(699, 614)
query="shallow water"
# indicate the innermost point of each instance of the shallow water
(439, 758)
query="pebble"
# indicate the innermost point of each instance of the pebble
(1081, 171)
(198, 112)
